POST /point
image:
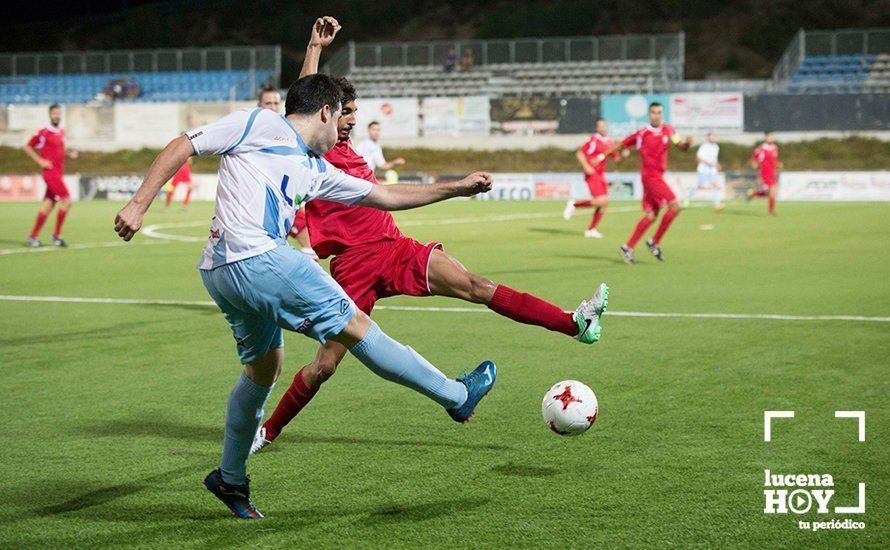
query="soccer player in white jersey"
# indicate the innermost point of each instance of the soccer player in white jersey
(708, 172)
(270, 165)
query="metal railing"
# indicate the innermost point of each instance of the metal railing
(486, 53)
(838, 42)
(252, 58)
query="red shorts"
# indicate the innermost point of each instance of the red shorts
(56, 190)
(768, 180)
(656, 193)
(597, 185)
(372, 271)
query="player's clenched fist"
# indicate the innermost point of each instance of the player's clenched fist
(323, 31)
(475, 183)
(128, 221)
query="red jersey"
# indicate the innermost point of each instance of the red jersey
(50, 144)
(598, 145)
(334, 227)
(653, 144)
(767, 156)
(184, 174)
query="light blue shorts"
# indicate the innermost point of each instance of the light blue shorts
(279, 289)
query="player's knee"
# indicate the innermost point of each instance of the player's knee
(323, 369)
(652, 214)
(674, 207)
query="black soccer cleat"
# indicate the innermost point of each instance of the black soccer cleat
(60, 242)
(655, 250)
(236, 497)
(628, 254)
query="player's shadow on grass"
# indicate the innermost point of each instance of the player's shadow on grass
(155, 427)
(88, 498)
(397, 513)
(554, 231)
(522, 470)
(747, 212)
(76, 335)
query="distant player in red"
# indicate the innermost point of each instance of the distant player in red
(653, 142)
(766, 159)
(373, 260)
(47, 148)
(595, 176)
(183, 176)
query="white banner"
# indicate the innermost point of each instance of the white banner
(704, 112)
(452, 116)
(30, 118)
(834, 186)
(398, 117)
(147, 124)
(508, 186)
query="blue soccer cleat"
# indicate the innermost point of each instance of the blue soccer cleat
(478, 383)
(236, 497)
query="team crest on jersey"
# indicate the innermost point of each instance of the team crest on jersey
(664, 139)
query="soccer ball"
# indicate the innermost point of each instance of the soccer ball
(569, 408)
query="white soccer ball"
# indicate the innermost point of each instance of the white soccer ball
(569, 408)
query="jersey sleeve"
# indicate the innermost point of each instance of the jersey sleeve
(36, 141)
(631, 140)
(226, 134)
(338, 186)
(585, 147)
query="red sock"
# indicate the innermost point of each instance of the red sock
(666, 221)
(292, 402)
(169, 197)
(188, 195)
(38, 224)
(597, 216)
(60, 220)
(639, 231)
(531, 310)
(583, 204)
(772, 205)
(760, 193)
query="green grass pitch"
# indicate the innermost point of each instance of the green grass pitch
(112, 413)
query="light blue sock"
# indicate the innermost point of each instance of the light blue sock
(401, 364)
(243, 416)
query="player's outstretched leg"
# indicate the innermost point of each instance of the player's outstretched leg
(401, 364)
(448, 277)
(244, 412)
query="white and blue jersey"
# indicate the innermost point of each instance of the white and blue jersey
(261, 284)
(266, 172)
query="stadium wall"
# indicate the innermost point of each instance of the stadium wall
(486, 123)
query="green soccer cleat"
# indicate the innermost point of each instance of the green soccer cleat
(589, 314)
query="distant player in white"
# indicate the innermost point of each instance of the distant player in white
(270, 165)
(708, 170)
(372, 152)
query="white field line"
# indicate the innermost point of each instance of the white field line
(80, 246)
(157, 230)
(433, 309)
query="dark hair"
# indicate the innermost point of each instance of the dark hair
(656, 104)
(54, 106)
(311, 93)
(347, 88)
(373, 122)
(767, 132)
(263, 91)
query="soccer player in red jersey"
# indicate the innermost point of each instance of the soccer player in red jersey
(373, 260)
(766, 158)
(47, 148)
(595, 176)
(653, 142)
(183, 176)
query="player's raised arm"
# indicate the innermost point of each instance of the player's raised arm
(404, 197)
(323, 32)
(129, 220)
